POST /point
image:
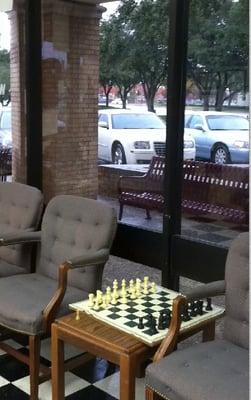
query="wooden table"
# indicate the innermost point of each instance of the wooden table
(109, 343)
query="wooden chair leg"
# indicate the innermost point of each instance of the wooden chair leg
(151, 395)
(34, 364)
(121, 206)
(148, 215)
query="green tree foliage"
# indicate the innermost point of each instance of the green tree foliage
(147, 21)
(218, 47)
(105, 71)
(4, 75)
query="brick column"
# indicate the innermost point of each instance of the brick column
(70, 68)
(17, 83)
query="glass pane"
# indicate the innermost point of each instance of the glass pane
(215, 186)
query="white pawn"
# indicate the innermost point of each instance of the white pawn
(145, 289)
(131, 285)
(96, 304)
(153, 287)
(108, 294)
(114, 298)
(133, 293)
(91, 300)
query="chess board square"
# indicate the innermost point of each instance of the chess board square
(131, 304)
(164, 305)
(114, 309)
(131, 310)
(149, 332)
(131, 317)
(164, 298)
(147, 304)
(148, 310)
(147, 298)
(162, 293)
(11, 392)
(113, 316)
(131, 324)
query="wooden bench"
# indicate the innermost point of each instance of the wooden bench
(217, 191)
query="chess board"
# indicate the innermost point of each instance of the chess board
(126, 316)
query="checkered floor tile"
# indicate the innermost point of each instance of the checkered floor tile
(96, 380)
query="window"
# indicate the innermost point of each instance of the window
(103, 118)
(196, 120)
(6, 120)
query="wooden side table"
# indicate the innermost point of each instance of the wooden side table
(104, 341)
(100, 340)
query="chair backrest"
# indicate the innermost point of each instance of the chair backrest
(21, 208)
(237, 292)
(73, 226)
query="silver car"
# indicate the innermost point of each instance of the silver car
(220, 137)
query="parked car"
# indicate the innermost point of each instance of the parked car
(5, 127)
(134, 137)
(220, 137)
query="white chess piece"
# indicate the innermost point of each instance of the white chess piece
(91, 300)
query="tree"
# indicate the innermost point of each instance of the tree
(218, 47)
(105, 72)
(4, 77)
(148, 23)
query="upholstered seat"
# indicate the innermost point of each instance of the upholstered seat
(76, 236)
(20, 212)
(216, 370)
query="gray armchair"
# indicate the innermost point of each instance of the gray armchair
(215, 370)
(21, 208)
(76, 237)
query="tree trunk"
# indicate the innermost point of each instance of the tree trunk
(205, 102)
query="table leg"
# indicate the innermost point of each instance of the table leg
(127, 377)
(208, 332)
(57, 365)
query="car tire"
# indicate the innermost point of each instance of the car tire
(118, 154)
(220, 155)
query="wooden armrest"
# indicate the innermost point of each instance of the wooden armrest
(51, 309)
(169, 342)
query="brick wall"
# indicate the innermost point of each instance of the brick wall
(17, 77)
(70, 72)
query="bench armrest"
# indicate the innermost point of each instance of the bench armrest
(211, 289)
(19, 238)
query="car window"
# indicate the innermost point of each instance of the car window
(137, 121)
(103, 118)
(196, 120)
(187, 118)
(227, 122)
(6, 120)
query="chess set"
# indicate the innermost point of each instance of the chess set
(143, 309)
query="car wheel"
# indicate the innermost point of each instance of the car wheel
(118, 154)
(220, 155)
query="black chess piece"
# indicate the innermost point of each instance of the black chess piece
(209, 304)
(153, 329)
(161, 324)
(200, 307)
(141, 324)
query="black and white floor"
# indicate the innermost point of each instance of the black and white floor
(96, 380)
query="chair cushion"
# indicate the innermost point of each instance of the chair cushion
(23, 298)
(73, 226)
(237, 292)
(8, 269)
(216, 370)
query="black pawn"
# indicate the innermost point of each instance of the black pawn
(153, 328)
(209, 304)
(141, 325)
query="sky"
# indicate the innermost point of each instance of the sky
(5, 25)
